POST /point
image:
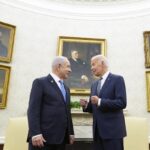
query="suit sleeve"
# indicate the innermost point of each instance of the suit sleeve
(71, 129)
(34, 108)
(89, 106)
(119, 102)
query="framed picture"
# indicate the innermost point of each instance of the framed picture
(79, 52)
(7, 34)
(147, 48)
(4, 81)
(148, 89)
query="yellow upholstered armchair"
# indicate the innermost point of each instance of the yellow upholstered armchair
(137, 134)
(16, 134)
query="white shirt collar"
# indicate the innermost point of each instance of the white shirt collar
(55, 77)
(105, 75)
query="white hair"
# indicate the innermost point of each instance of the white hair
(58, 60)
(101, 58)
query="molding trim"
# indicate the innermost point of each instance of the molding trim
(90, 11)
(93, 1)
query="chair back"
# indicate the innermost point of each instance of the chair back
(16, 134)
(137, 134)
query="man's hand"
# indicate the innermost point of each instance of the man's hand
(38, 141)
(83, 103)
(94, 100)
(71, 139)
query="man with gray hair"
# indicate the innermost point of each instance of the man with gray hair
(107, 101)
(49, 116)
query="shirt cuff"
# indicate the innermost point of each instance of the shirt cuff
(36, 136)
(99, 101)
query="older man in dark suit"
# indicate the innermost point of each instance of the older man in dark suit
(49, 117)
(107, 101)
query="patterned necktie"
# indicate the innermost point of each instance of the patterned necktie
(62, 88)
(99, 86)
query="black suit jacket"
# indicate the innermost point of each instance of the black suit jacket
(48, 114)
(108, 118)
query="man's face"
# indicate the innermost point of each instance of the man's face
(64, 70)
(97, 67)
(75, 54)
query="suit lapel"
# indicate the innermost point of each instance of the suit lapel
(54, 84)
(106, 83)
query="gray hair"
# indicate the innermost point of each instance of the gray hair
(101, 58)
(58, 60)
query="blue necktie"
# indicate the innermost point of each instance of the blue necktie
(99, 86)
(62, 88)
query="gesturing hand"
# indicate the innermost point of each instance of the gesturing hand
(94, 99)
(83, 102)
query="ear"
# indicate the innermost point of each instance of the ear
(102, 62)
(59, 66)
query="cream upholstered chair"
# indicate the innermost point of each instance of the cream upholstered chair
(16, 134)
(137, 134)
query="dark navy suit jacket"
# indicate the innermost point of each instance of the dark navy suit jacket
(108, 117)
(48, 113)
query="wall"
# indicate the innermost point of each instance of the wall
(36, 45)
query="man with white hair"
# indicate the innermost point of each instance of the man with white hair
(3, 48)
(49, 116)
(107, 101)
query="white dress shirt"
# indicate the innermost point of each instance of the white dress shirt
(104, 77)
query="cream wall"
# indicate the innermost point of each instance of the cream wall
(36, 45)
